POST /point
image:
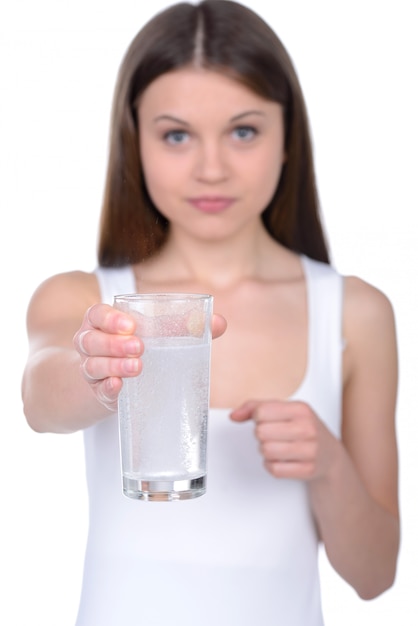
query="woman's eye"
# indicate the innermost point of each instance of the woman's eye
(245, 133)
(176, 137)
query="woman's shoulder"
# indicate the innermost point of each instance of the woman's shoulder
(66, 283)
(64, 293)
(369, 319)
(369, 332)
(365, 301)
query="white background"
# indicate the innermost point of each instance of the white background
(357, 62)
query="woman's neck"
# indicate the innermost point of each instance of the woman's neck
(219, 265)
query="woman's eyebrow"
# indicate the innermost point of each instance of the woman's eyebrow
(170, 118)
(251, 112)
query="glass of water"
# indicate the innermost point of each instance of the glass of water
(163, 411)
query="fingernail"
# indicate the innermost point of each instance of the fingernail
(125, 324)
(132, 347)
(131, 366)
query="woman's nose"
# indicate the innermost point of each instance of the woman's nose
(211, 162)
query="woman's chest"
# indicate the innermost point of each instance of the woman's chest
(264, 351)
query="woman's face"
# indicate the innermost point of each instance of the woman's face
(212, 151)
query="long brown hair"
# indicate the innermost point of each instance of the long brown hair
(227, 37)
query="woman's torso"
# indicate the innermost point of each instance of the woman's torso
(244, 553)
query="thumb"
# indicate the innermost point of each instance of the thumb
(218, 325)
(245, 411)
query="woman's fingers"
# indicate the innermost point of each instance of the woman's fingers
(292, 440)
(107, 392)
(286, 451)
(108, 319)
(99, 343)
(100, 367)
(110, 351)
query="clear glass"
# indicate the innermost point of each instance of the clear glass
(163, 412)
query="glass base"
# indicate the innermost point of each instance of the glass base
(164, 490)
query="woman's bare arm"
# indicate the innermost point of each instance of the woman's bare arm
(356, 502)
(57, 393)
(79, 352)
(352, 482)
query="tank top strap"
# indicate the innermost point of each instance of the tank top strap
(115, 281)
(325, 305)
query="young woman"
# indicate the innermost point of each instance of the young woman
(210, 188)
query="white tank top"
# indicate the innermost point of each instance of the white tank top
(245, 553)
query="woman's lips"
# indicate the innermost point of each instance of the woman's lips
(211, 204)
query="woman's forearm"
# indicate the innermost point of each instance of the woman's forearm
(55, 396)
(360, 537)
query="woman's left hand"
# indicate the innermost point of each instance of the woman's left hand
(294, 442)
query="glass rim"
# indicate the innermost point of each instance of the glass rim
(165, 296)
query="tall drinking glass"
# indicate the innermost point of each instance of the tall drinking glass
(163, 411)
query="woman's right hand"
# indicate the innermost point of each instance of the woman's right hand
(109, 351)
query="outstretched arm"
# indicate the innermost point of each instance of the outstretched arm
(79, 351)
(56, 396)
